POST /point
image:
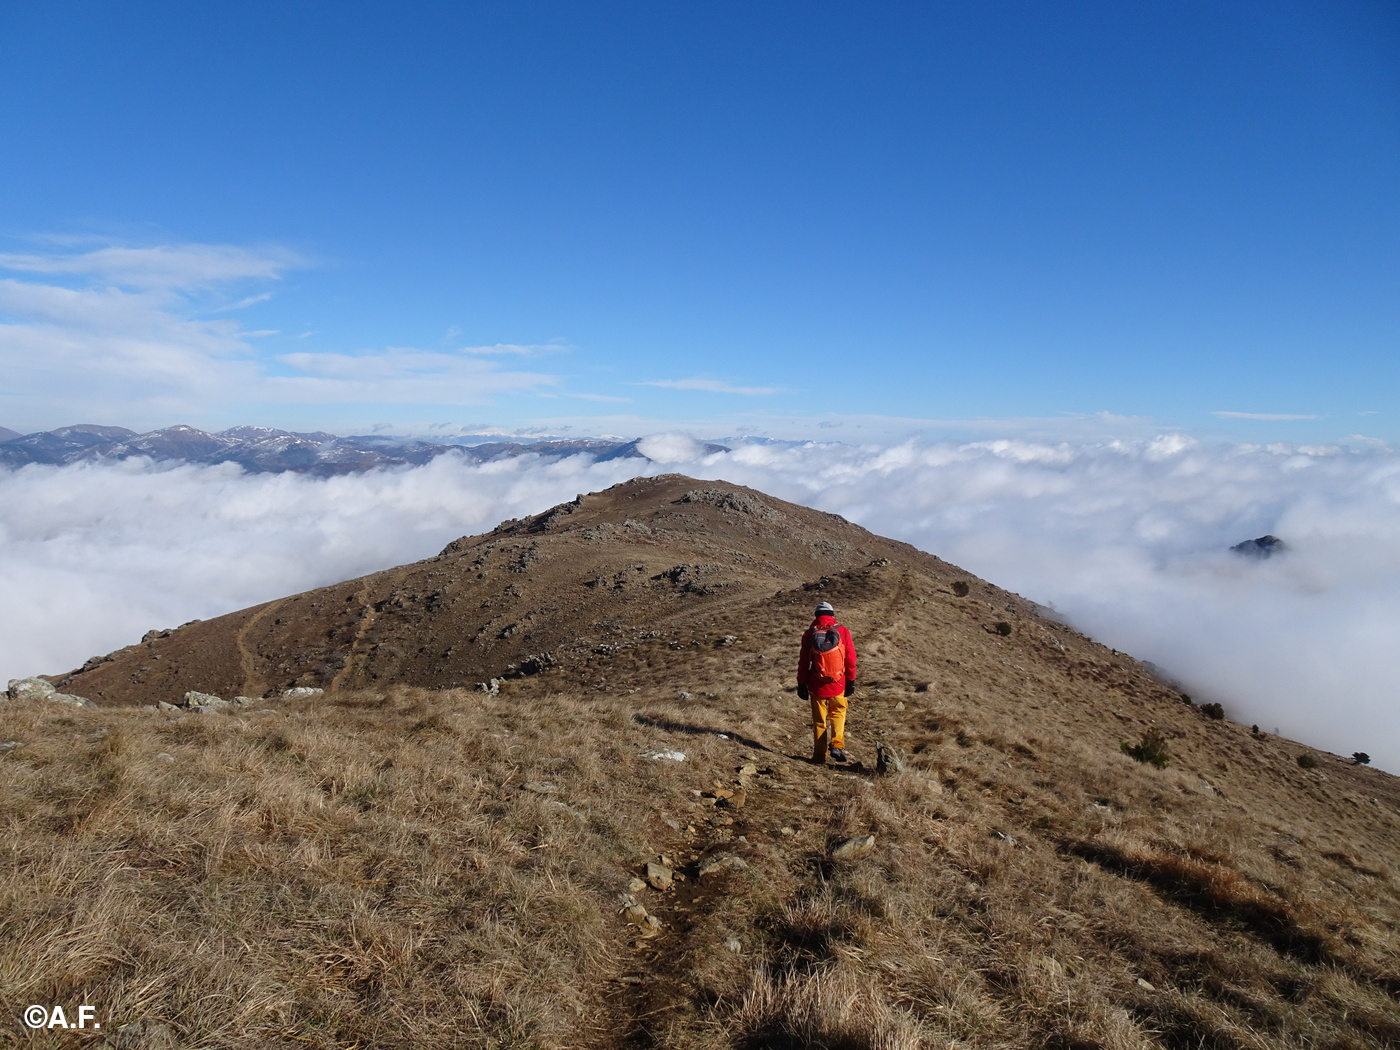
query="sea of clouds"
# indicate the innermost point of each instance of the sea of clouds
(1126, 540)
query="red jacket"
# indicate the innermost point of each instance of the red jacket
(804, 659)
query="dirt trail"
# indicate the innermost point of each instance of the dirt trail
(785, 791)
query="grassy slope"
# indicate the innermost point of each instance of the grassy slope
(367, 870)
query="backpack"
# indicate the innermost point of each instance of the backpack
(828, 656)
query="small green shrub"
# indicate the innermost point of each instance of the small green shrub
(1254, 730)
(1360, 758)
(960, 588)
(1306, 761)
(1003, 628)
(1151, 748)
(1213, 711)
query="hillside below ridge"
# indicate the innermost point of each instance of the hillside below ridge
(610, 567)
(1029, 884)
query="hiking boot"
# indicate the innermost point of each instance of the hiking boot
(837, 754)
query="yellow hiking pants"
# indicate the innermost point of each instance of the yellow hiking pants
(828, 712)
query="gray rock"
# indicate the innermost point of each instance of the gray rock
(161, 705)
(301, 692)
(30, 689)
(164, 757)
(659, 877)
(194, 698)
(490, 688)
(888, 760)
(635, 885)
(854, 849)
(540, 787)
(663, 754)
(8, 746)
(244, 701)
(69, 699)
(721, 862)
(682, 696)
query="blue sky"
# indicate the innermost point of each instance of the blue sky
(956, 218)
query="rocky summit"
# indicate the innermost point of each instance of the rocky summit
(552, 788)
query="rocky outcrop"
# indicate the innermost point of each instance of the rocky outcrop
(1260, 547)
(43, 689)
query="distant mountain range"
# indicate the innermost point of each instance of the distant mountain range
(265, 450)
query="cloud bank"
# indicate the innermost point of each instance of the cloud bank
(1127, 540)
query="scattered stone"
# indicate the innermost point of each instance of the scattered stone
(674, 825)
(887, 760)
(1004, 837)
(749, 770)
(1146, 986)
(733, 945)
(721, 862)
(899, 706)
(8, 746)
(243, 701)
(540, 787)
(726, 641)
(853, 849)
(164, 757)
(724, 822)
(30, 689)
(737, 799)
(636, 885)
(197, 699)
(638, 916)
(301, 692)
(682, 696)
(708, 800)
(491, 687)
(663, 754)
(786, 831)
(161, 705)
(659, 877)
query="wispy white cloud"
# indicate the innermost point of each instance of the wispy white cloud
(160, 268)
(398, 376)
(609, 398)
(710, 386)
(134, 342)
(1272, 417)
(519, 349)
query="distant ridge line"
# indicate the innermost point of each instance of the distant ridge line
(269, 450)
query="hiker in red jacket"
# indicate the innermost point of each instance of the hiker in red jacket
(826, 675)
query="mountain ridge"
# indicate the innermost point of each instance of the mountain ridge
(267, 449)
